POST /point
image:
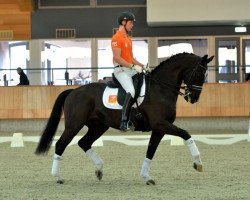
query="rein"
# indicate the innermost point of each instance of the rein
(186, 87)
(164, 84)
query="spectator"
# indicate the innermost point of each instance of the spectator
(248, 77)
(23, 78)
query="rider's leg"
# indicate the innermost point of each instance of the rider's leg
(124, 76)
(126, 112)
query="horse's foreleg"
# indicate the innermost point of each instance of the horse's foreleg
(195, 155)
(152, 146)
(145, 172)
(197, 164)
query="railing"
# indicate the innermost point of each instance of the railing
(83, 75)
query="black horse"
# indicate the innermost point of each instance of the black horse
(84, 106)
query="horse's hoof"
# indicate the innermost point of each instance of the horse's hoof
(150, 182)
(198, 167)
(60, 181)
(99, 174)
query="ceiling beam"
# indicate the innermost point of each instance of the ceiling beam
(26, 5)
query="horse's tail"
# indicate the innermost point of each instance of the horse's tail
(52, 124)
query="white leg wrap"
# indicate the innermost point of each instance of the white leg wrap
(145, 169)
(95, 159)
(55, 166)
(194, 150)
(192, 147)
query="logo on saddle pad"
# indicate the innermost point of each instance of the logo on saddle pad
(110, 97)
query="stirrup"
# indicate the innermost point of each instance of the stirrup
(131, 126)
(124, 126)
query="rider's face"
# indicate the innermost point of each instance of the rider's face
(129, 25)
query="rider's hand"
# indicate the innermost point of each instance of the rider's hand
(137, 68)
(146, 68)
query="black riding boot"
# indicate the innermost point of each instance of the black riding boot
(126, 112)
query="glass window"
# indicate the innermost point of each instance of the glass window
(19, 57)
(105, 59)
(247, 56)
(167, 48)
(140, 50)
(69, 61)
(227, 54)
(227, 57)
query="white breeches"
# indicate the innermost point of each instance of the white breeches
(124, 76)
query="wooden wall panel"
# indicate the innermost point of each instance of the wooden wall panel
(15, 15)
(216, 100)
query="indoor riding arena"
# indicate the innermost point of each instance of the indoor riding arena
(34, 35)
(221, 138)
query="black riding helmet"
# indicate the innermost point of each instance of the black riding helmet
(128, 16)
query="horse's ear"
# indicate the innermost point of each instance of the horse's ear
(204, 59)
(210, 59)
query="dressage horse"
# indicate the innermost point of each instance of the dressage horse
(181, 74)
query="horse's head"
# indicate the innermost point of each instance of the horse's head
(194, 79)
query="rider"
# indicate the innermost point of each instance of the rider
(125, 64)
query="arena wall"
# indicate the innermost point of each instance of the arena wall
(222, 107)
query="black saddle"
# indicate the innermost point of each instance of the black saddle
(137, 81)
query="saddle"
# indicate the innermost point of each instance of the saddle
(137, 81)
(137, 120)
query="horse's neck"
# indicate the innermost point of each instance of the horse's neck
(167, 80)
(171, 75)
(168, 75)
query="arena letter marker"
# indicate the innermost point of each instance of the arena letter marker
(17, 140)
(176, 141)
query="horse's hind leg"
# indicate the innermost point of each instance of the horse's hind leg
(96, 129)
(152, 146)
(61, 144)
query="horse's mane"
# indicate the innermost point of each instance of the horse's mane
(171, 60)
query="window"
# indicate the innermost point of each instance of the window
(67, 56)
(19, 57)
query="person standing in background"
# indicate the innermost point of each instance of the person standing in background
(23, 78)
(248, 77)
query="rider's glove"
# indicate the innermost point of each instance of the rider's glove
(137, 68)
(146, 68)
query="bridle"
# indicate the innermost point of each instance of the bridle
(187, 87)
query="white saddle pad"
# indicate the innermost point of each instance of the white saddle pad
(110, 97)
